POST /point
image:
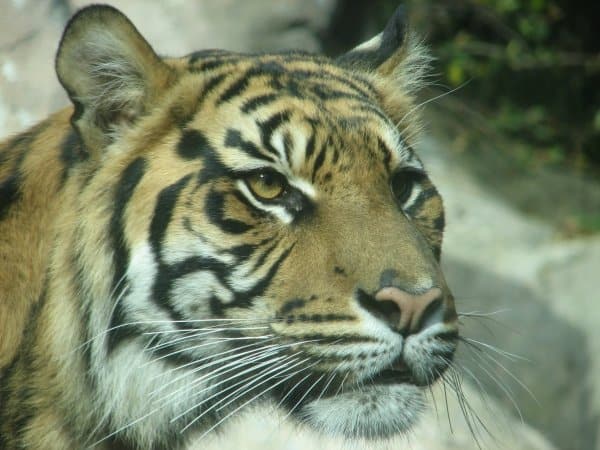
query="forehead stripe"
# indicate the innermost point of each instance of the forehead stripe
(193, 144)
(256, 102)
(233, 138)
(268, 127)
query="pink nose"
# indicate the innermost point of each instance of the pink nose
(417, 312)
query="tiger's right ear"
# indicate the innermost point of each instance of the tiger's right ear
(110, 73)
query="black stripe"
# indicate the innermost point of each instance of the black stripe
(290, 305)
(371, 109)
(268, 127)
(439, 222)
(257, 213)
(313, 318)
(166, 274)
(192, 144)
(163, 213)
(287, 146)
(319, 161)
(169, 274)
(387, 154)
(215, 63)
(183, 114)
(206, 53)
(129, 180)
(244, 299)
(24, 397)
(327, 76)
(10, 187)
(233, 138)
(211, 85)
(421, 199)
(310, 145)
(237, 88)
(261, 260)
(258, 101)
(10, 192)
(212, 167)
(70, 154)
(214, 208)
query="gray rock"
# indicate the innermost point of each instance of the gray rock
(544, 292)
(30, 32)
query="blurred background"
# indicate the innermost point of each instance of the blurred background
(512, 139)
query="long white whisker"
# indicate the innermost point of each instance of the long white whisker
(236, 375)
(213, 362)
(508, 355)
(219, 371)
(247, 402)
(244, 389)
(303, 397)
(254, 385)
(437, 97)
(268, 347)
(484, 365)
(164, 322)
(203, 344)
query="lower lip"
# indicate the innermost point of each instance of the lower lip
(392, 377)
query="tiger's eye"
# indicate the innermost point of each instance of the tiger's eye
(403, 183)
(267, 184)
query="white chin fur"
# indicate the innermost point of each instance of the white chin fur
(372, 412)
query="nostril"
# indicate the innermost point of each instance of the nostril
(432, 314)
(387, 310)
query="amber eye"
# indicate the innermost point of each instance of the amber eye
(267, 184)
(403, 182)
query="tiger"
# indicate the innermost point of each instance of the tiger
(197, 235)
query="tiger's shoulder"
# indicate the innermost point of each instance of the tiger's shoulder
(34, 167)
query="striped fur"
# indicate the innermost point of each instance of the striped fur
(148, 292)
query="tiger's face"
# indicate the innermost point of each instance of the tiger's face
(272, 233)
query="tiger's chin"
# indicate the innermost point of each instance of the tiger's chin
(369, 412)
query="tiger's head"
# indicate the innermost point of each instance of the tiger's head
(252, 226)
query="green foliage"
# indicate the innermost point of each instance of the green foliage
(532, 67)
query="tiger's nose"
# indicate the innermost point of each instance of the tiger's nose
(410, 313)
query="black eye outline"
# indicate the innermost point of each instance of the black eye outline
(403, 182)
(268, 177)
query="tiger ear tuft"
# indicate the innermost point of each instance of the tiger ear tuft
(395, 53)
(109, 71)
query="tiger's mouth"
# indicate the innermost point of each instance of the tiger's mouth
(397, 373)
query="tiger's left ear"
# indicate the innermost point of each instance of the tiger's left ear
(396, 58)
(112, 75)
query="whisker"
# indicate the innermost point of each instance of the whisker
(187, 411)
(245, 403)
(474, 343)
(214, 362)
(251, 400)
(165, 322)
(478, 314)
(437, 97)
(483, 365)
(203, 344)
(303, 397)
(272, 348)
(254, 380)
